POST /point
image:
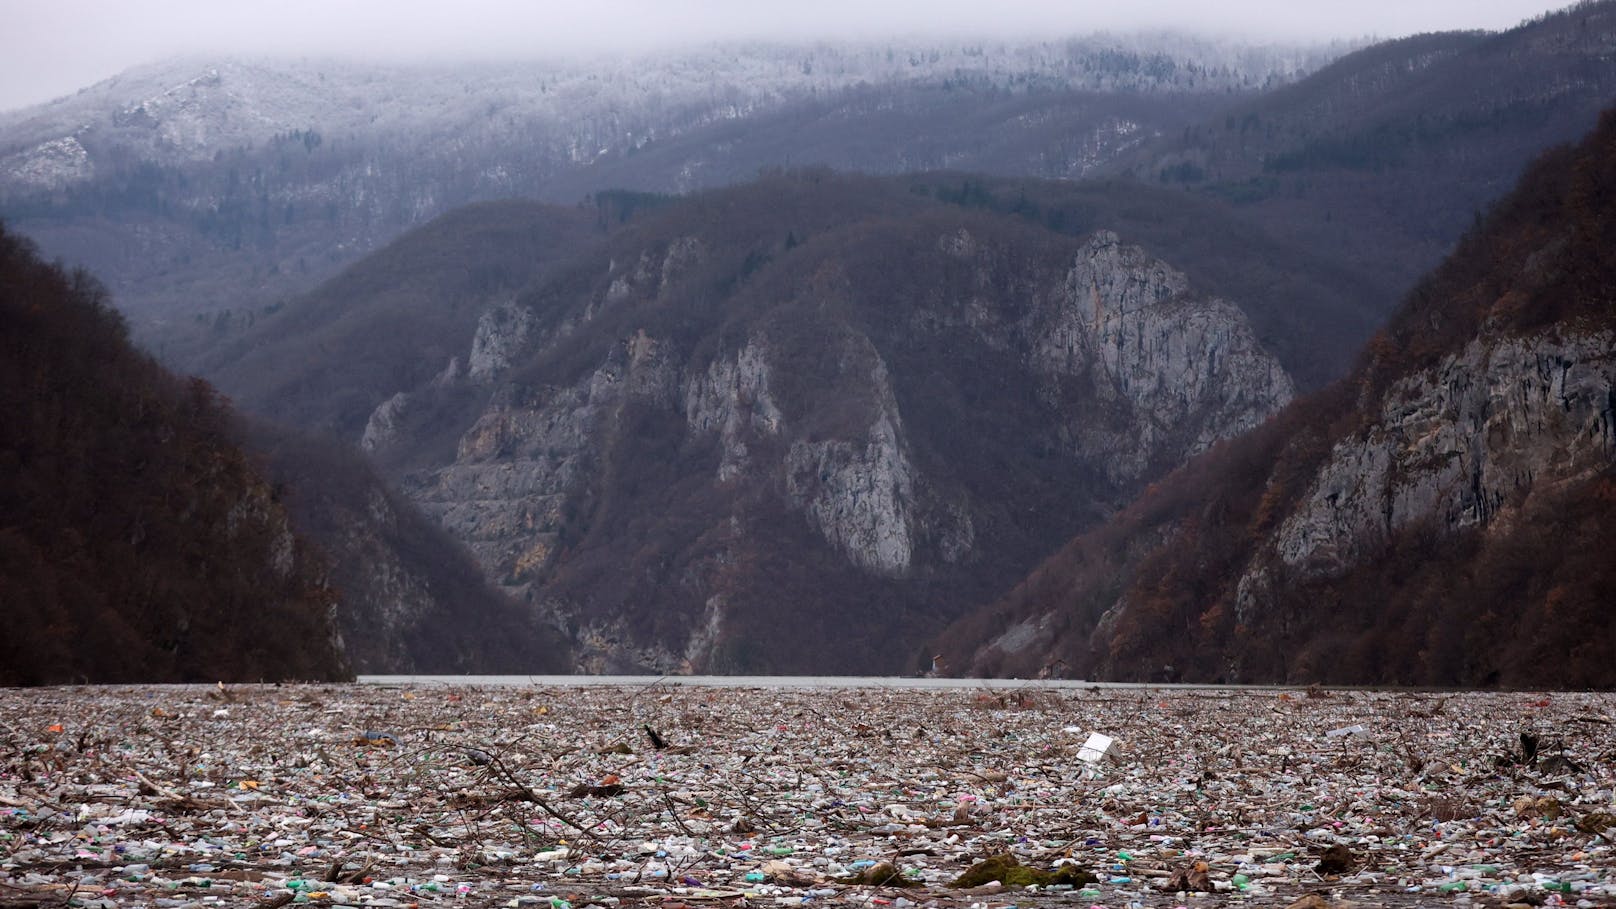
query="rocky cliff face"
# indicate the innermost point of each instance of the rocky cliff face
(1453, 446)
(643, 480)
(1442, 516)
(412, 600)
(1437, 528)
(858, 493)
(505, 493)
(732, 401)
(501, 333)
(1185, 370)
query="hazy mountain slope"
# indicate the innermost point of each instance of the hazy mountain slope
(1306, 307)
(213, 189)
(1442, 516)
(411, 313)
(1388, 154)
(903, 127)
(827, 409)
(398, 318)
(138, 542)
(412, 598)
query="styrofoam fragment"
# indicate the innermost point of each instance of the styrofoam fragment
(1098, 748)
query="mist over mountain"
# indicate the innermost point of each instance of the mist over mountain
(207, 191)
(1389, 153)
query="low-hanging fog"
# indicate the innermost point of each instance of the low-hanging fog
(54, 47)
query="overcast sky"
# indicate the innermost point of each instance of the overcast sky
(54, 47)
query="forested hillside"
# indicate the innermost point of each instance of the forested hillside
(1443, 516)
(137, 540)
(148, 534)
(208, 191)
(831, 408)
(1384, 157)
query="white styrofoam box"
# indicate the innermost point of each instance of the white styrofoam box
(1098, 748)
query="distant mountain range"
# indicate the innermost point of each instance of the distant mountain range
(1389, 153)
(837, 408)
(207, 191)
(667, 421)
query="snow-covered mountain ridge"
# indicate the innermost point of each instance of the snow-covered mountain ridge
(198, 106)
(204, 191)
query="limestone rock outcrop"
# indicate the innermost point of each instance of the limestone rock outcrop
(804, 415)
(1182, 369)
(1453, 444)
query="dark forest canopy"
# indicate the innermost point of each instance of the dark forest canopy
(137, 541)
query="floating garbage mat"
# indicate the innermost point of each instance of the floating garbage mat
(668, 797)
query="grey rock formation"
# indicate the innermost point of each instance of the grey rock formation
(504, 492)
(652, 273)
(50, 165)
(383, 426)
(501, 333)
(1181, 370)
(731, 398)
(798, 415)
(858, 494)
(530, 448)
(1453, 444)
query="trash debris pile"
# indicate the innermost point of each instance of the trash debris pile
(670, 797)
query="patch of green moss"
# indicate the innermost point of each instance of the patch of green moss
(1005, 869)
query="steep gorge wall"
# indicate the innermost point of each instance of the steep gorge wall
(547, 484)
(1184, 369)
(1442, 516)
(1454, 445)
